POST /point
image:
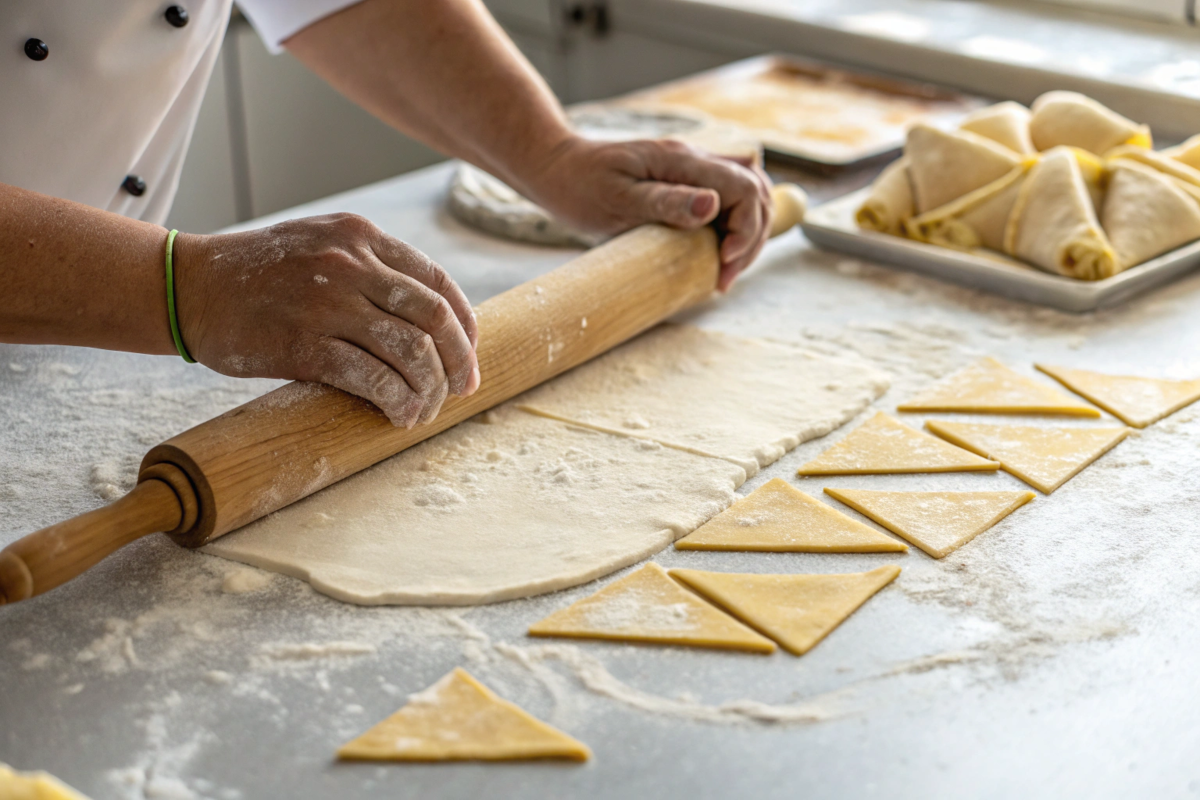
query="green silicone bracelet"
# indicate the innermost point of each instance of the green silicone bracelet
(171, 299)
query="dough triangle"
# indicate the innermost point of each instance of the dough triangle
(890, 203)
(779, 518)
(459, 719)
(945, 165)
(989, 387)
(1168, 166)
(977, 219)
(1076, 120)
(937, 522)
(1045, 458)
(1005, 123)
(881, 445)
(1135, 401)
(1053, 224)
(647, 606)
(798, 611)
(33, 786)
(1145, 213)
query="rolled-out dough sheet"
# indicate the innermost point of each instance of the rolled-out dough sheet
(1135, 401)
(648, 607)
(797, 611)
(743, 400)
(1045, 458)
(779, 518)
(458, 719)
(937, 522)
(487, 511)
(990, 387)
(882, 446)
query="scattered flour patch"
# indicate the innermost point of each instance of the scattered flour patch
(308, 651)
(245, 580)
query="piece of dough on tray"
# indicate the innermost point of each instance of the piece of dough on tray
(1045, 458)
(1133, 400)
(1146, 213)
(779, 518)
(990, 387)
(937, 522)
(1006, 123)
(881, 445)
(797, 611)
(460, 719)
(1053, 224)
(1076, 120)
(977, 219)
(945, 165)
(890, 204)
(647, 606)
(1187, 153)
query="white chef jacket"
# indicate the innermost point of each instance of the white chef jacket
(118, 93)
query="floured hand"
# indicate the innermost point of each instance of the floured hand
(330, 299)
(610, 187)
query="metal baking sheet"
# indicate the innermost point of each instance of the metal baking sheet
(832, 226)
(809, 114)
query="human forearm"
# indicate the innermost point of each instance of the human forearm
(443, 72)
(73, 274)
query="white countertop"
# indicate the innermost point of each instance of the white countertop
(1054, 656)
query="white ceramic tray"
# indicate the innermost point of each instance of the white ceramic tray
(832, 226)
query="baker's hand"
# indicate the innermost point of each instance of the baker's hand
(330, 299)
(609, 187)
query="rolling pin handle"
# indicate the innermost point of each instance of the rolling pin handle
(15, 581)
(791, 204)
(52, 556)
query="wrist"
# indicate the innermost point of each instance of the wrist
(543, 180)
(190, 259)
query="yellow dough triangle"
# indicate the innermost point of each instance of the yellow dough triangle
(989, 387)
(798, 611)
(937, 522)
(33, 786)
(881, 445)
(1045, 458)
(460, 719)
(779, 518)
(1135, 401)
(648, 606)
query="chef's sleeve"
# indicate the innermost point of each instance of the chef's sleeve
(277, 20)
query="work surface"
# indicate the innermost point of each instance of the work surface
(1054, 656)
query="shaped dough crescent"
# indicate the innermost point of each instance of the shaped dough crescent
(1069, 118)
(1005, 123)
(1053, 224)
(945, 165)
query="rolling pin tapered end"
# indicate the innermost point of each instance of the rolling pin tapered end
(791, 204)
(16, 582)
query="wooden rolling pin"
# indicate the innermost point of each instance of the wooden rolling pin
(302, 437)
